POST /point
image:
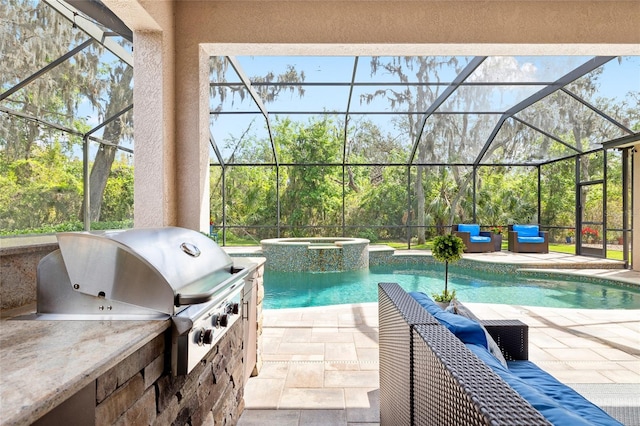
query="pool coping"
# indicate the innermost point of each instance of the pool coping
(548, 265)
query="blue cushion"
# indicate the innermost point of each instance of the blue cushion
(480, 239)
(565, 396)
(527, 230)
(473, 229)
(465, 329)
(549, 407)
(535, 240)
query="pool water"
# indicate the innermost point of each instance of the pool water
(306, 289)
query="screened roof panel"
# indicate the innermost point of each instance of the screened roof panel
(380, 138)
(308, 69)
(457, 138)
(487, 98)
(385, 100)
(90, 92)
(413, 69)
(313, 98)
(570, 121)
(611, 89)
(232, 98)
(221, 71)
(393, 94)
(241, 138)
(525, 69)
(31, 47)
(517, 143)
(393, 98)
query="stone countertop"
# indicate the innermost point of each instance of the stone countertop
(43, 363)
(26, 244)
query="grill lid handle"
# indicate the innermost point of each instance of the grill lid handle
(219, 290)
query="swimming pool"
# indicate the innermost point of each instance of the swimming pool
(304, 289)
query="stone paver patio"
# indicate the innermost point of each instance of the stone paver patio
(321, 364)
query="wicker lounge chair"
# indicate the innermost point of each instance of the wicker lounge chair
(528, 239)
(475, 241)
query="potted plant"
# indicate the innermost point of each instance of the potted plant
(497, 238)
(570, 235)
(446, 248)
(589, 234)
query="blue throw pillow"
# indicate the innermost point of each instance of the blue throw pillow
(424, 301)
(468, 331)
(458, 308)
(465, 329)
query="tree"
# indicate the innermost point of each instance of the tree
(120, 96)
(448, 249)
(42, 189)
(413, 98)
(311, 194)
(39, 35)
(448, 138)
(62, 94)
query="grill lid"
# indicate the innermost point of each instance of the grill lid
(157, 268)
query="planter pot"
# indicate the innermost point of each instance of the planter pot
(497, 242)
(443, 305)
(569, 240)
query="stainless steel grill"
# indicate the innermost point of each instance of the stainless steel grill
(146, 274)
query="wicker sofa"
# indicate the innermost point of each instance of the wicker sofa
(429, 377)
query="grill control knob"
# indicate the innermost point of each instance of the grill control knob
(205, 337)
(224, 320)
(235, 309)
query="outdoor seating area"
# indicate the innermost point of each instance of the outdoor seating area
(521, 239)
(436, 379)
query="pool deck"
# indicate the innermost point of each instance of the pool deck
(321, 364)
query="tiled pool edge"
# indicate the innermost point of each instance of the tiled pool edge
(315, 254)
(385, 255)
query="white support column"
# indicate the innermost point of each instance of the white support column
(155, 196)
(635, 216)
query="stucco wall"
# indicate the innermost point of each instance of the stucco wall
(411, 21)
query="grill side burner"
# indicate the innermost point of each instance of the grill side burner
(146, 273)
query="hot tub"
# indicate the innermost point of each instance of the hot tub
(321, 254)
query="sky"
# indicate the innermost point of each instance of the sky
(617, 79)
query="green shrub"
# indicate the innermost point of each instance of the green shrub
(446, 248)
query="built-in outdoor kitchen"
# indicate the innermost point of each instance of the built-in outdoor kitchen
(140, 326)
